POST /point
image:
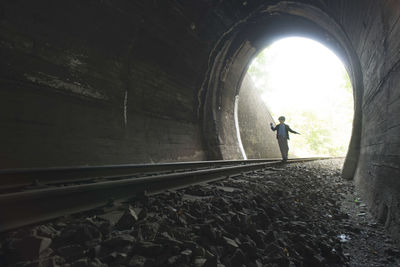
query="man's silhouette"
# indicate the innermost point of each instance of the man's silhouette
(282, 135)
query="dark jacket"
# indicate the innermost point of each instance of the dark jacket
(287, 130)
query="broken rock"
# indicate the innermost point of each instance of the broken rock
(29, 248)
(127, 220)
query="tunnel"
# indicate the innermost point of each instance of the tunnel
(91, 83)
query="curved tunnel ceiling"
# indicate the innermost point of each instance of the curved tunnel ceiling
(236, 49)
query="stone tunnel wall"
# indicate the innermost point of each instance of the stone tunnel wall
(111, 82)
(375, 34)
(98, 82)
(254, 118)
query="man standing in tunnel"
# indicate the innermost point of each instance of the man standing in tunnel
(282, 135)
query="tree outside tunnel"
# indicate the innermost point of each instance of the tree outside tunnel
(305, 81)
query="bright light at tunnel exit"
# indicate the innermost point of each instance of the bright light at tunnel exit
(308, 84)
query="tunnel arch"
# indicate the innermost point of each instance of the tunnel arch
(233, 53)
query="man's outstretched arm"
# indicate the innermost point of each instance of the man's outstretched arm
(272, 127)
(292, 131)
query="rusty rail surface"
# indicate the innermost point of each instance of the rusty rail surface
(85, 191)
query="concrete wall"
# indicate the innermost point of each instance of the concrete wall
(254, 118)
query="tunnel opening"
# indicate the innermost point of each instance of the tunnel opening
(229, 62)
(307, 83)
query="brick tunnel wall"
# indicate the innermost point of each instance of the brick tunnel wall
(111, 82)
(96, 82)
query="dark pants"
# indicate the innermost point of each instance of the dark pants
(283, 146)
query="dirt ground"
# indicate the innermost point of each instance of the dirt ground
(301, 214)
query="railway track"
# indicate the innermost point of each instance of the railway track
(30, 196)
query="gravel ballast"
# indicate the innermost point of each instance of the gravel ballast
(298, 214)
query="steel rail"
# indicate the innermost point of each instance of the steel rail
(27, 176)
(33, 206)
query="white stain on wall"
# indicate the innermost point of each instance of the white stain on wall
(72, 87)
(126, 107)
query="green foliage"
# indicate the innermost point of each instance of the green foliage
(346, 83)
(256, 68)
(259, 71)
